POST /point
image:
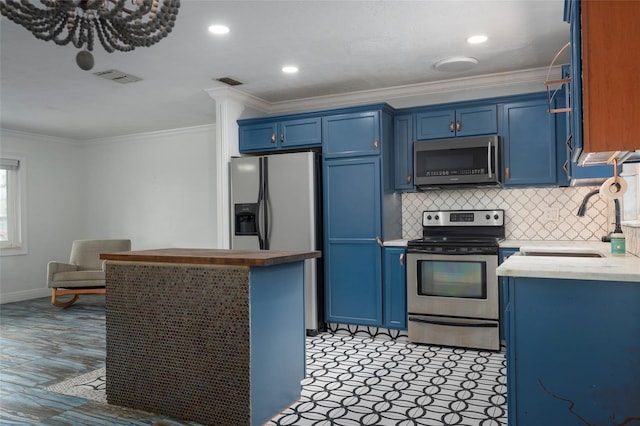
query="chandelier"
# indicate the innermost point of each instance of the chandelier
(119, 24)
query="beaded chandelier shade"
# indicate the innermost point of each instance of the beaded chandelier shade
(120, 25)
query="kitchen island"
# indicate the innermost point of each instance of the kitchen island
(213, 336)
(573, 340)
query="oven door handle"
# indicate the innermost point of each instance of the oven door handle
(453, 324)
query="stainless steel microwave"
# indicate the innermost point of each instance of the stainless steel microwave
(457, 162)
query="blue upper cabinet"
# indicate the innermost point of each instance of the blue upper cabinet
(528, 133)
(303, 132)
(351, 134)
(403, 152)
(449, 122)
(258, 137)
(265, 135)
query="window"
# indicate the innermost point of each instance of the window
(12, 201)
(631, 199)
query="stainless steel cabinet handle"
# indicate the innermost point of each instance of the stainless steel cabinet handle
(458, 126)
(273, 138)
(402, 258)
(451, 128)
(282, 137)
(379, 241)
(375, 143)
(409, 178)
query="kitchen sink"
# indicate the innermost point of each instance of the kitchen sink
(559, 252)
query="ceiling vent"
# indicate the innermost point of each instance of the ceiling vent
(456, 64)
(228, 80)
(118, 76)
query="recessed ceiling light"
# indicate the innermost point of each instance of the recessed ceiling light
(477, 39)
(290, 69)
(218, 29)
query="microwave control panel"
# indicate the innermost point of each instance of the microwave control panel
(463, 218)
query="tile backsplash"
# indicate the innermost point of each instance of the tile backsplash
(524, 211)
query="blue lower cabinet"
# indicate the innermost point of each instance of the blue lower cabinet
(352, 256)
(504, 295)
(353, 294)
(573, 354)
(395, 288)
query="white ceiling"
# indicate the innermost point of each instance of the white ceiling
(339, 46)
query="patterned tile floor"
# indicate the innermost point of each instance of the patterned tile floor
(351, 380)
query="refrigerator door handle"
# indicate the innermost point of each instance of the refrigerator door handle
(265, 189)
(260, 200)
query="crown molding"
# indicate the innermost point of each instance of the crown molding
(38, 137)
(221, 94)
(151, 135)
(464, 84)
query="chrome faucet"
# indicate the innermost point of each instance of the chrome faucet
(583, 209)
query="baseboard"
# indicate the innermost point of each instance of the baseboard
(18, 296)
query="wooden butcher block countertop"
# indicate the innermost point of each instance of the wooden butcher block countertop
(212, 256)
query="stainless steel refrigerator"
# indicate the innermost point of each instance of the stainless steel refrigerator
(276, 205)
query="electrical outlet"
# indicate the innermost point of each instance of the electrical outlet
(551, 214)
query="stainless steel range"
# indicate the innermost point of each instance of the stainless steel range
(452, 286)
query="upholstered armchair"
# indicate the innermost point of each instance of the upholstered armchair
(85, 272)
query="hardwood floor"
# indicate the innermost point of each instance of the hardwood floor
(41, 345)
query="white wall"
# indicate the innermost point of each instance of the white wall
(158, 189)
(56, 213)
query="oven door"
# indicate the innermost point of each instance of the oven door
(453, 285)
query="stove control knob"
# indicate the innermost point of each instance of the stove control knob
(487, 217)
(429, 217)
(496, 217)
(437, 217)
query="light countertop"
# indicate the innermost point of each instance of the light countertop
(396, 243)
(609, 268)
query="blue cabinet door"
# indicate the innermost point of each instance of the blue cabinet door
(258, 137)
(353, 294)
(352, 134)
(436, 124)
(353, 258)
(477, 120)
(591, 374)
(276, 135)
(303, 132)
(395, 288)
(403, 150)
(529, 143)
(442, 123)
